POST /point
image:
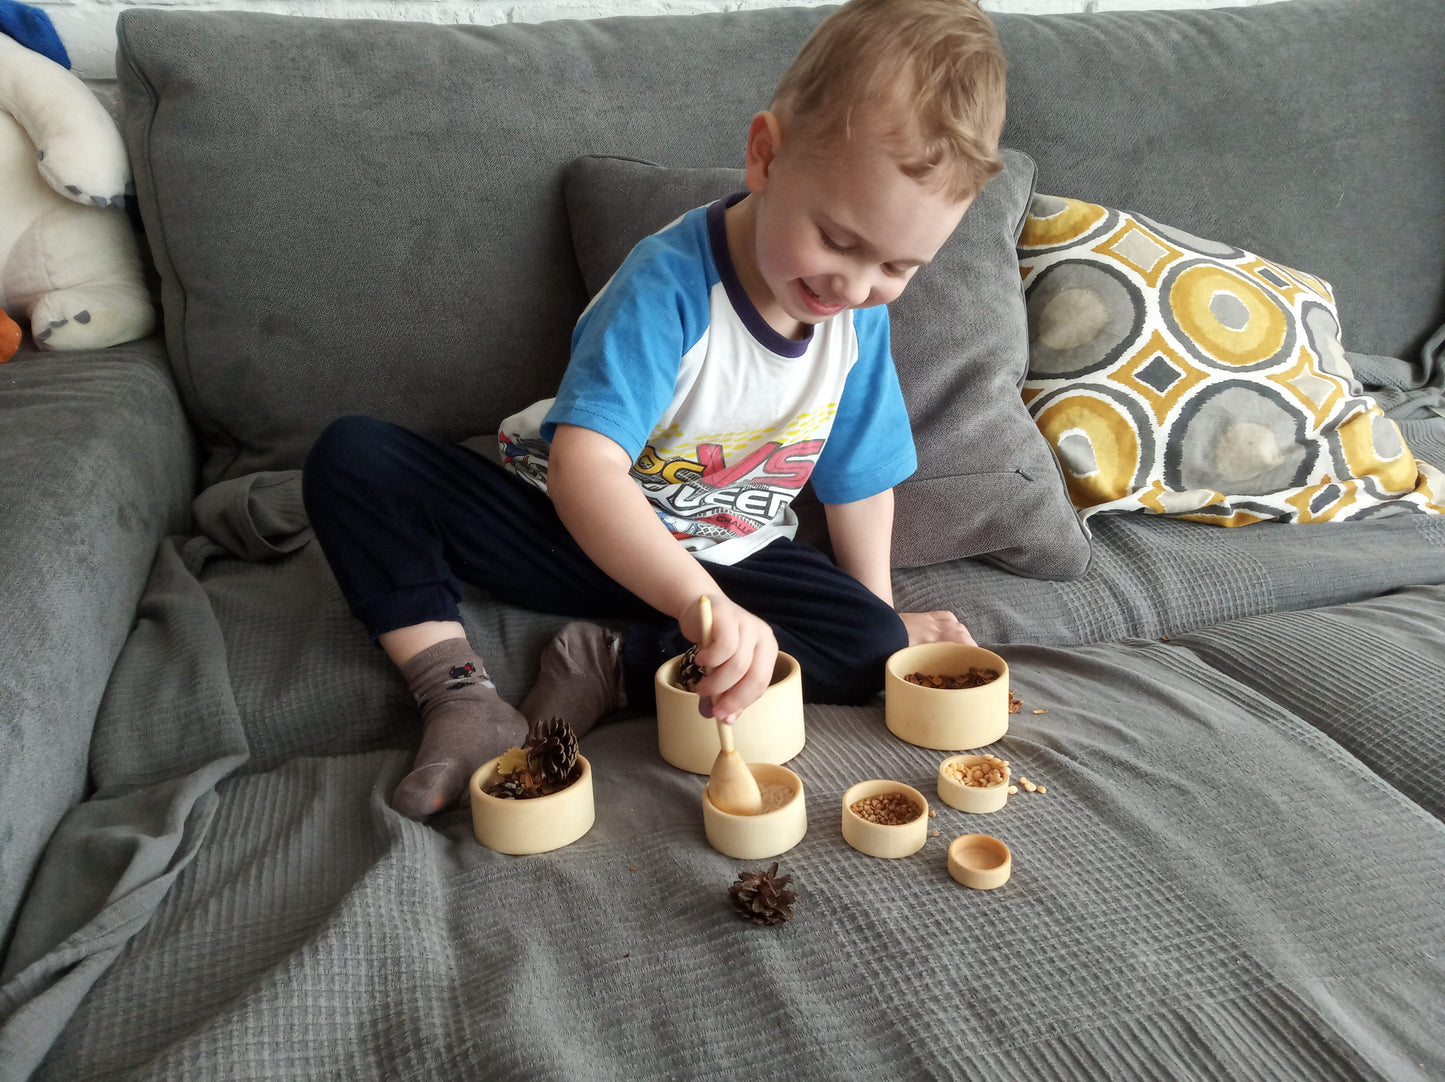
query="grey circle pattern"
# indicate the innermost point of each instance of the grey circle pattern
(1102, 308)
(1239, 438)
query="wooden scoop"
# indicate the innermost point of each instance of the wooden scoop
(731, 786)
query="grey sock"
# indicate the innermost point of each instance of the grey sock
(464, 723)
(579, 677)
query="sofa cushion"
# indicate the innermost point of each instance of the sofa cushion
(987, 483)
(1306, 131)
(366, 216)
(1177, 375)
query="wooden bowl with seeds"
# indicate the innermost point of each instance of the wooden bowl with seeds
(946, 695)
(885, 818)
(973, 783)
(776, 829)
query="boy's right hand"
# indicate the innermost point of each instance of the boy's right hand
(739, 660)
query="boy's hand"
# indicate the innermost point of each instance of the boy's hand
(739, 660)
(939, 626)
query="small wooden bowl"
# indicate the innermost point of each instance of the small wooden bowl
(752, 837)
(946, 719)
(978, 799)
(534, 825)
(768, 731)
(979, 861)
(880, 839)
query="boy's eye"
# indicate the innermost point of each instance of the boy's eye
(832, 245)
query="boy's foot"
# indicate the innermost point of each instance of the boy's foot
(579, 677)
(464, 723)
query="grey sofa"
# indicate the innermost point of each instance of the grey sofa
(1236, 871)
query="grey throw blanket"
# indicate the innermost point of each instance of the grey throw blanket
(235, 899)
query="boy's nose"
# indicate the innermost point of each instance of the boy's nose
(854, 289)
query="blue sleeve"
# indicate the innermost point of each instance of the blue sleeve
(870, 448)
(628, 345)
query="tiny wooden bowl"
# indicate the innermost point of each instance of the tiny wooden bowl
(978, 799)
(946, 719)
(880, 839)
(768, 731)
(752, 837)
(536, 824)
(979, 861)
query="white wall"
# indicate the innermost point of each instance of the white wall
(87, 27)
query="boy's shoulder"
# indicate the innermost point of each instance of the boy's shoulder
(680, 245)
(676, 259)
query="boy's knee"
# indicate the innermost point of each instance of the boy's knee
(863, 646)
(342, 440)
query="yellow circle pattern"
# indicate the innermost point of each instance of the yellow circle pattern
(1191, 298)
(1112, 438)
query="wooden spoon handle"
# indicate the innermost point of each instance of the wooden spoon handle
(704, 608)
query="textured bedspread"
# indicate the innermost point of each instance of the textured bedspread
(1234, 874)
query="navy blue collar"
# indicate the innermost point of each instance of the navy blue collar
(758, 327)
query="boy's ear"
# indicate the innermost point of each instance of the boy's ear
(765, 139)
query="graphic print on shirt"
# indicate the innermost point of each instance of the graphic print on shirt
(706, 495)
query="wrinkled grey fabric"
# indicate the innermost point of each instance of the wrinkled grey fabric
(96, 466)
(238, 871)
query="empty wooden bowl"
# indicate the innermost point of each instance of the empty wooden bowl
(979, 861)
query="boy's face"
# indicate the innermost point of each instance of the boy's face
(832, 228)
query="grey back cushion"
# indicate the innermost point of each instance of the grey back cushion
(366, 216)
(987, 483)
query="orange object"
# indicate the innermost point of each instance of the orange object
(9, 337)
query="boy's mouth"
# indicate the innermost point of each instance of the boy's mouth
(816, 304)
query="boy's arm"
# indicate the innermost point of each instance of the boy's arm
(603, 509)
(862, 537)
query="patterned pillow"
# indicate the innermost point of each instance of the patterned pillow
(1181, 376)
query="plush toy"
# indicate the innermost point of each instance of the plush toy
(69, 262)
(9, 337)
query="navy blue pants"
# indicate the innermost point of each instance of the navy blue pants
(405, 520)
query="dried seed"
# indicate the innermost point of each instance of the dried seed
(887, 809)
(1040, 711)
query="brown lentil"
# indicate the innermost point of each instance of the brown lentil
(887, 809)
(975, 677)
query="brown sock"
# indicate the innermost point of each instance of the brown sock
(464, 723)
(579, 677)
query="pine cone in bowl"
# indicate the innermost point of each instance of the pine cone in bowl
(552, 753)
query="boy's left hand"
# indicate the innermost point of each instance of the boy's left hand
(941, 626)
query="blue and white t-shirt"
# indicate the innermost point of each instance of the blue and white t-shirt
(725, 419)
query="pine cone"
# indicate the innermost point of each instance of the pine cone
(762, 896)
(552, 753)
(689, 672)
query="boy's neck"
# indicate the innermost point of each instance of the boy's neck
(742, 249)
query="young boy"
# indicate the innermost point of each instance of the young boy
(736, 354)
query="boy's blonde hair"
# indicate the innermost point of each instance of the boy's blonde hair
(931, 70)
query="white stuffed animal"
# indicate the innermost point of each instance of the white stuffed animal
(69, 261)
